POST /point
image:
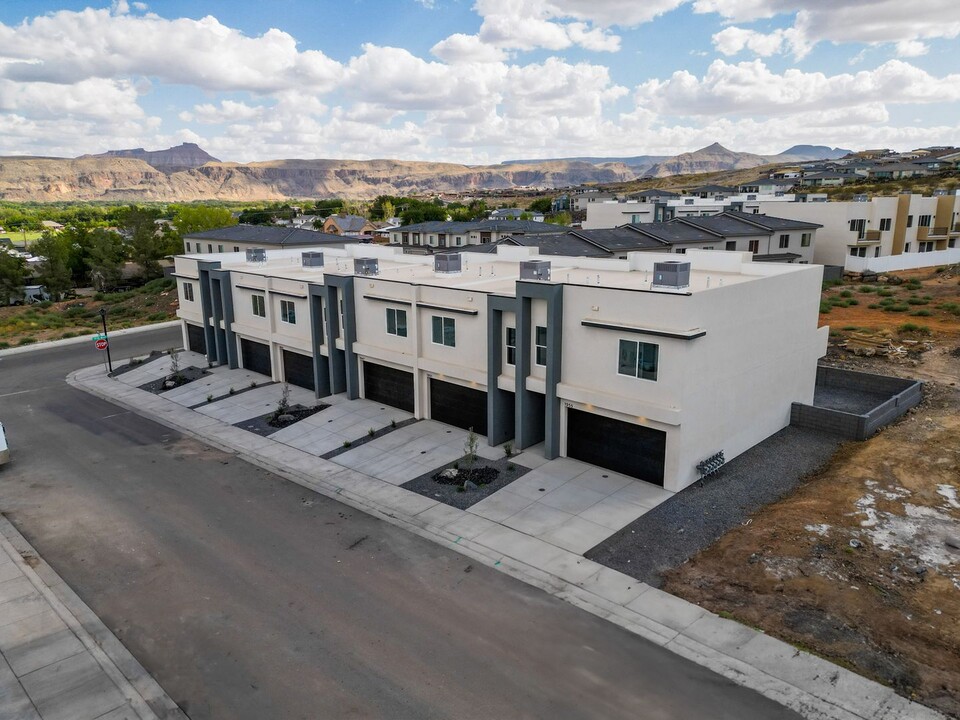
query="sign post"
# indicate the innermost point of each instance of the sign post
(102, 342)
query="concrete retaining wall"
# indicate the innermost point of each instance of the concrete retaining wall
(904, 394)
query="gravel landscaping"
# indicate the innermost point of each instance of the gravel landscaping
(136, 363)
(694, 518)
(451, 492)
(186, 375)
(268, 424)
(367, 438)
(848, 400)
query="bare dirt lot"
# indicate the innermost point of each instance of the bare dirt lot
(861, 563)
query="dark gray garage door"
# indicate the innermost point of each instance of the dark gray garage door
(256, 357)
(459, 406)
(388, 385)
(298, 370)
(623, 447)
(196, 340)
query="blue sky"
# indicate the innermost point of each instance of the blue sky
(476, 81)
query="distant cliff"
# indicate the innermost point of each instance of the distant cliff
(116, 177)
(171, 160)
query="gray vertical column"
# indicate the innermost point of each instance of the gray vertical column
(206, 307)
(500, 403)
(223, 280)
(340, 287)
(321, 363)
(538, 417)
(336, 362)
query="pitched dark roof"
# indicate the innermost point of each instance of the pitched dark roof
(349, 223)
(654, 193)
(769, 222)
(502, 226)
(673, 232)
(568, 243)
(777, 257)
(712, 189)
(270, 235)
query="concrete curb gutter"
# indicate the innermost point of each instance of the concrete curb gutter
(137, 686)
(813, 687)
(85, 338)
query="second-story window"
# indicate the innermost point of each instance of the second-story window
(805, 239)
(396, 322)
(541, 342)
(885, 224)
(188, 291)
(259, 305)
(639, 359)
(511, 346)
(188, 246)
(924, 221)
(288, 312)
(784, 241)
(444, 331)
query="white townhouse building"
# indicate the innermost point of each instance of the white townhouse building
(646, 365)
(661, 206)
(878, 226)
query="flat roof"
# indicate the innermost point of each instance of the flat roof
(498, 273)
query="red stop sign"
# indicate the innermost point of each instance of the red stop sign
(101, 344)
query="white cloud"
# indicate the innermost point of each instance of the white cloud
(750, 89)
(911, 48)
(846, 21)
(467, 48)
(66, 46)
(96, 98)
(733, 40)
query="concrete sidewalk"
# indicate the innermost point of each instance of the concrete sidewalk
(811, 686)
(57, 660)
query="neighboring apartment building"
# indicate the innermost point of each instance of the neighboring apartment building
(440, 234)
(655, 206)
(878, 226)
(641, 368)
(768, 239)
(240, 238)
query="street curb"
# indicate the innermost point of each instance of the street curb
(137, 686)
(85, 338)
(840, 694)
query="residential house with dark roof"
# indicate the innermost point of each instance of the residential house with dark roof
(239, 238)
(354, 225)
(769, 239)
(438, 234)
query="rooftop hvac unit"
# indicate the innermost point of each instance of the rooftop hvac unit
(312, 259)
(446, 263)
(861, 198)
(366, 266)
(256, 255)
(940, 192)
(671, 274)
(535, 270)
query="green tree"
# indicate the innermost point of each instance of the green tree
(560, 218)
(418, 212)
(53, 271)
(12, 274)
(188, 219)
(541, 205)
(147, 242)
(105, 256)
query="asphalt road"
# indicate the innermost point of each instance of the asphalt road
(247, 596)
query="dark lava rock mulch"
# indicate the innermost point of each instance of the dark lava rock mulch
(451, 492)
(136, 363)
(186, 375)
(697, 516)
(267, 424)
(367, 438)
